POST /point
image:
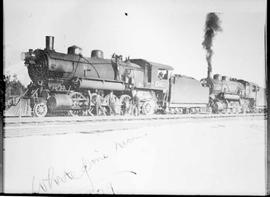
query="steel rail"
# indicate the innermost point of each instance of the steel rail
(47, 120)
(84, 126)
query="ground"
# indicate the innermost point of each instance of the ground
(186, 157)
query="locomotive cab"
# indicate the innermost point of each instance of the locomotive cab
(156, 76)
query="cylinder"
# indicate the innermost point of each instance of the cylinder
(97, 54)
(59, 102)
(49, 43)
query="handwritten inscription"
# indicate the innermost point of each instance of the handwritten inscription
(53, 180)
(127, 141)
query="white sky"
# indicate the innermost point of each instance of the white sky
(164, 31)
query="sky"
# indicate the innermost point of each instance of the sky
(164, 31)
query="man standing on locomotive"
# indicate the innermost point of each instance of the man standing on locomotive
(115, 63)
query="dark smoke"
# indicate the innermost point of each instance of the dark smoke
(212, 25)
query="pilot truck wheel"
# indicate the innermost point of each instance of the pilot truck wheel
(40, 109)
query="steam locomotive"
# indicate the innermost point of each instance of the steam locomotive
(67, 83)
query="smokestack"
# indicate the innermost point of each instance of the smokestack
(212, 25)
(49, 43)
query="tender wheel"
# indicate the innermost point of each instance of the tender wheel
(40, 109)
(148, 108)
(187, 111)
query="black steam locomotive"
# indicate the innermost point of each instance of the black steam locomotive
(230, 95)
(67, 83)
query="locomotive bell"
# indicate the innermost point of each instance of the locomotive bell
(97, 54)
(49, 43)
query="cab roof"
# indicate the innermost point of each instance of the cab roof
(143, 63)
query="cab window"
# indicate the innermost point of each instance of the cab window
(162, 74)
(254, 88)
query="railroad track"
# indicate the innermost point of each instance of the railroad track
(22, 127)
(45, 120)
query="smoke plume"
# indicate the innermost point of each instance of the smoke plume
(212, 26)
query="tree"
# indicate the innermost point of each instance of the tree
(13, 88)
